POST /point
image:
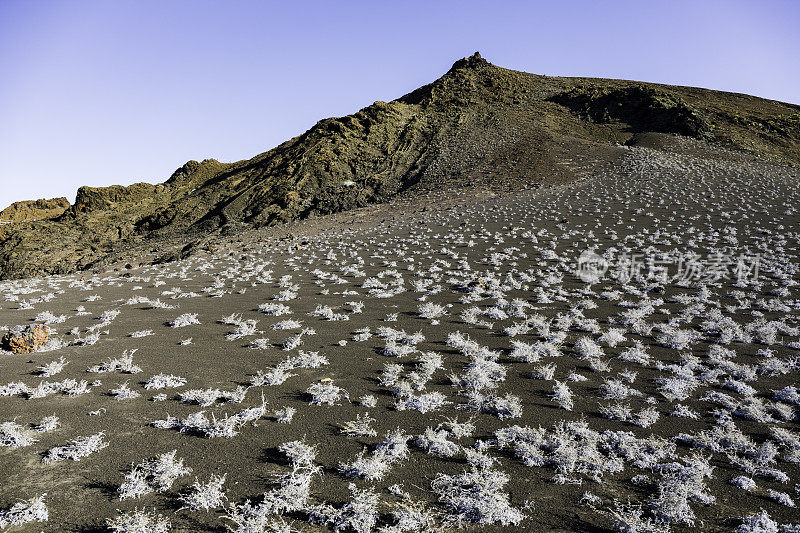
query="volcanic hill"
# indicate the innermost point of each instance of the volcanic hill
(478, 126)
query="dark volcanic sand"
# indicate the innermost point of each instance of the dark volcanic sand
(665, 201)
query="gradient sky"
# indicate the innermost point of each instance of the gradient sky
(114, 92)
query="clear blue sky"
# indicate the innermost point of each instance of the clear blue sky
(105, 92)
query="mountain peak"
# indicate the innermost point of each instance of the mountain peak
(474, 61)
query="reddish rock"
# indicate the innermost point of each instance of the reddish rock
(25, 339)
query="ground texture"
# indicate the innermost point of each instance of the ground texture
(618, 353)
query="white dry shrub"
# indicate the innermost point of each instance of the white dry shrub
(290, 495)
(628, 376)
(546, 372)
(630, 518)
(613, 337)
(327, 313)
(744, 483)
(186, 319)
(480, 374)
(154, 475)
(394, 446)
(325, 393)
(205, 496)
(227, 426)
(362, 334)
(478, 459)
(591, 499)
(395, 349)
(13, 435)
(15, 388)
(124, 392)
(789, 394)
(243, 329)
(285, 414)
(646, 453)
(682, 411)
(459, 430)
(508, 406)
(524, 352)
(424, 403)
(789, 440)
(678, 339)
(307, 360)
(49, 318)
(287, 324)
(52, 368)
(758, 523)
(428, 363)
(368, 400)
(272, 376)
(88, 340)
(356, 307)
(391, 374)
(139, 521)
(142, 333)
(430, 310)
(677, 387)
(360, 427)
(616, 411)
(286, 295)
(635, 354)
(274, 309)
(249, 518)
(724, 437)
(48, 423)
(409, 515)
(360, 514)
(260, 344)
(299, 452)
(679, 485)
(71, 387)
(375, 466)
(24, 512)
(435, 442)
(76, 449)
(599, 365)
(122, 364)
(163, 381)
(207, 397)
(739, 387)
(781, 497)
(572, 448)
(587, 349)
(476, 496)
(646, 417)
(296, 340)
(615, 389)
(234, 319)
(562, 395)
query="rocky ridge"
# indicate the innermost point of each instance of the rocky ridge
(478, 126)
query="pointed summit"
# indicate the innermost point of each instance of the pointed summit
(474, 61)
